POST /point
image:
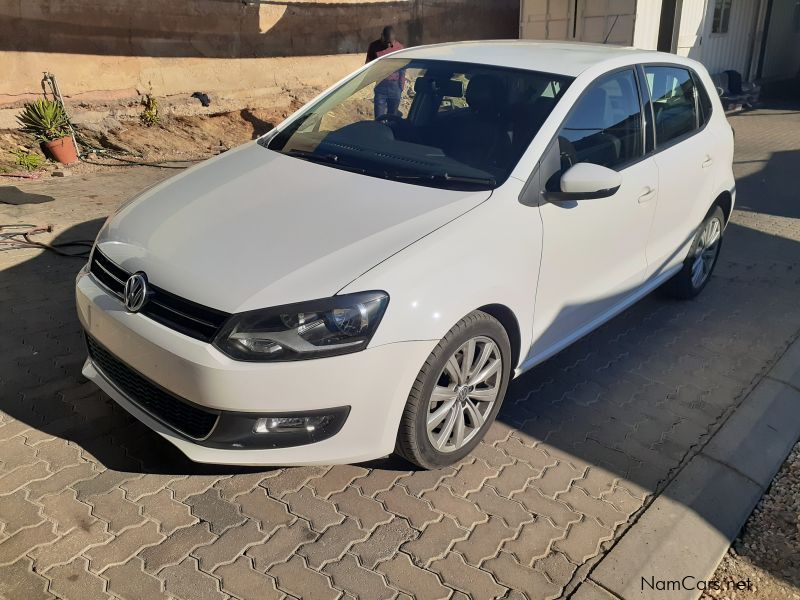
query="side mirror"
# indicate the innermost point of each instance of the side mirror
(586, 181)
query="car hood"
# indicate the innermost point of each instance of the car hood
(253, 228)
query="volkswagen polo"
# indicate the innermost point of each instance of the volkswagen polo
(348, 286)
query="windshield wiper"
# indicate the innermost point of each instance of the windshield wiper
(326, 159)
(444, 178)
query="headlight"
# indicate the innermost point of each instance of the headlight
(314, 329)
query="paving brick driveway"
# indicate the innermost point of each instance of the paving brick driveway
(92, 504)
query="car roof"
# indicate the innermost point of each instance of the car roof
(562, 58)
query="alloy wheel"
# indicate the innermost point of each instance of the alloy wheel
(706, 252)
(464, 394)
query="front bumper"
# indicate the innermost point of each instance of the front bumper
(374, 383)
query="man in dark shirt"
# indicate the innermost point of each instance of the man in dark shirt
(389, 91)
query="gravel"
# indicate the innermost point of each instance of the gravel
(767, 551)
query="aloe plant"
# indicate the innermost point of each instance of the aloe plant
(45, 119)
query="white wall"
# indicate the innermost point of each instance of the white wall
(648, 20)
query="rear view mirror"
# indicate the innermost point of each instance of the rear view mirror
(586, 181)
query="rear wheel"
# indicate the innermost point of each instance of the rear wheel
(701, 260)
(457, 393)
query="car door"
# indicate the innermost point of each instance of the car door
(684, 156)
(593, 254)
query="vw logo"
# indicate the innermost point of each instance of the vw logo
(136, 292)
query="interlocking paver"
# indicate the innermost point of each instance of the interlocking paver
(465, 513)
(170, 514)
(435, 540)
(18, 580)
(491, 503)
(236, 485)
(23, 475)
(187, 582)
(219, 513)
(333, 543)
(555, 511)
(520, 577)
(269, 513)
(15, 452)
(100, 483)
(534, 541)
(195, 485)
(58, 454)
(513, 478)
(317, 511)
(605, 512)
(583, 540)
(242, 581)
(66, 477)
(399, 502)
(67, 512)
(130, 581)
(291, 480)
(368, 512)
(484, 541)
(74, 580)
(419, 583)
(384, 542)
(122, 547)
(229, 545)
(16, 512)
(297, 579)
(26, 540)
(336, 479)
(176, 547)
(118, 512)
(457, 574)
(470, 477)
(73, 543)
(281, 544)
(378, 480)
(348, 575)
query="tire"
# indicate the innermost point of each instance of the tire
(468, 396)
(687, 284)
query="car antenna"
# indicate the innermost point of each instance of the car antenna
(616, 17)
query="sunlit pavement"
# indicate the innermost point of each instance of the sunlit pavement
(93, 504)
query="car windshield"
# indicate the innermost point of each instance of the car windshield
(435, 123)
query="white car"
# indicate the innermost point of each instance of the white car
(349, 286)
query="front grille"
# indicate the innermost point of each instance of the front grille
(169, 409)
(187, 317)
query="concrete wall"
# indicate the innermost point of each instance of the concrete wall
(110, 48)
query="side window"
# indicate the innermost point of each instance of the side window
(605, 126)
(703, 101)
(674, 103)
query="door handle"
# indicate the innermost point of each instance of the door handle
(707, 162)
(648, 193)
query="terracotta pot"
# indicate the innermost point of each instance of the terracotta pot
(63, 150)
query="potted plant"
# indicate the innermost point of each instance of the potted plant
(48, 122)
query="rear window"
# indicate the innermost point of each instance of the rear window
(675, 107)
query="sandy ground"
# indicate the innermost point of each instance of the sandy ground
(767, 551)
(174, 138)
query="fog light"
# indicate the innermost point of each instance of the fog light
(290, 424)
(280, 430)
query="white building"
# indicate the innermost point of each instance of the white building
(758, 38)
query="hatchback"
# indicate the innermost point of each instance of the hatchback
(361, 281)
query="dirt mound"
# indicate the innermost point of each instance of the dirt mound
(172, 138)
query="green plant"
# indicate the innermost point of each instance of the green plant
(30, 161)
(45, 119)
(149, 116)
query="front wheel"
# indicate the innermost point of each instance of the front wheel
(701, 260)
(457, 393)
